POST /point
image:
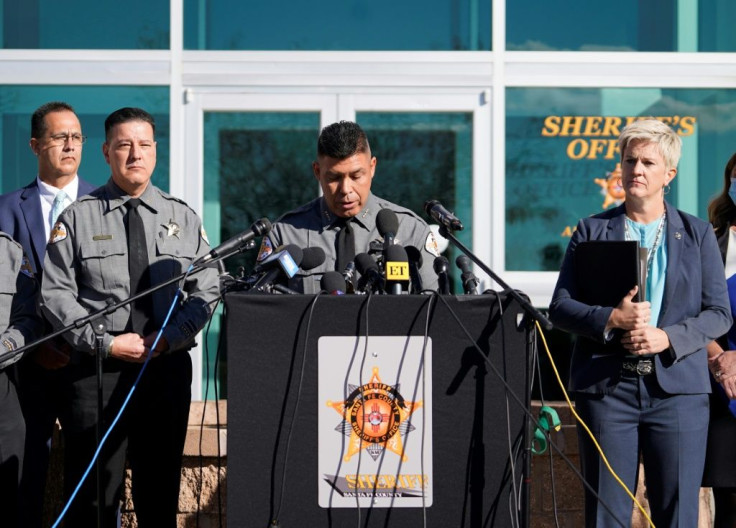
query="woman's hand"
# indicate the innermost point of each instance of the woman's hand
(646, 340)
(723, 368)
(629, 315)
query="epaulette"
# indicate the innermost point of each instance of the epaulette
(172, 198)
(304, 208)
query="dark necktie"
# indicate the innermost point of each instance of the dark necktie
(140, 310)
(345, 245)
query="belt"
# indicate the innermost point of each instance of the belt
(641, 367)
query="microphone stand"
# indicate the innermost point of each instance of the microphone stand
(100, 328)
(536, 315)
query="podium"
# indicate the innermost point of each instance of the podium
(281, 425)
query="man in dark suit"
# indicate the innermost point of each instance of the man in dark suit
(27, 215)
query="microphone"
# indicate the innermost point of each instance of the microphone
(333, 283)
(470, 281)
(312, 257)
(387, 224)
(259, 228)
(442, 216)
(415, 264)
(396, 266)
(440, 268)
(349, 275)
(284, 262)
(371, 279)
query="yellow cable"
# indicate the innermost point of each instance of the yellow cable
(587, 430)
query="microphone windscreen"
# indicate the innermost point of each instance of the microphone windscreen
(261, 226)
(312, 257)
(396, 253)
(414, 255)
(464, 263)
(440, 264)
(387, 222)
(332, 281)
(364, 262)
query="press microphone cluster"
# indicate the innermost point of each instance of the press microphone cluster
(273, 273)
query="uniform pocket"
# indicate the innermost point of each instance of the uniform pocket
(105, 264)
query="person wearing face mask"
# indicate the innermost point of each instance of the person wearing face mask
(720, 458)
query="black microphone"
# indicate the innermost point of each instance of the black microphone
(387, 224)
(312, 257)
(442, 216)
(440, 268)
(415, 264)
(349, 275)
(259, 228)
(281, 263)
(333, 283)
(371, 279)
(396, 266)
(470, 281)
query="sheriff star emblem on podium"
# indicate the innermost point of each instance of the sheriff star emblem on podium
(375, 417)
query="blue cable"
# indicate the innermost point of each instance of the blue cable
(125, 404)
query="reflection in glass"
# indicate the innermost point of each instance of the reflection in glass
(84, 24)
(629, 25)
(338, 25)
(562, 158)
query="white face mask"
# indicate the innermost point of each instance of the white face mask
(732, 190)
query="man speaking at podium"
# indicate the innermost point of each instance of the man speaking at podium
(343, 220)
(120, 240)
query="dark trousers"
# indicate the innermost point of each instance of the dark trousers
(12, 435)
(39, 394)
(152, 431)
(670, 433)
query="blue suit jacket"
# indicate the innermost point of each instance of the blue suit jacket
(22, 219)
(695, 307)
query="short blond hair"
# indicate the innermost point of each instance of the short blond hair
(652, 130)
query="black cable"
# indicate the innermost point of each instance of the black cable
(313, 303)
(217, 422)
(522, 406)
(216, 304)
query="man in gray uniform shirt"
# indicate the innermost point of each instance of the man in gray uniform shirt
(344, 169)
(91, 261)
(19, 325)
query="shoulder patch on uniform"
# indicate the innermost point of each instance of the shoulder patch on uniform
(266, 249)
(25, 267)
(431, 245)
(58, 233)
(203, 234)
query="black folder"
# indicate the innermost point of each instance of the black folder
(606, 270)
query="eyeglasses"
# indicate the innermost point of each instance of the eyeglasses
(59, 140)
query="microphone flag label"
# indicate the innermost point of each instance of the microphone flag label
(374, 422)
(397, 271)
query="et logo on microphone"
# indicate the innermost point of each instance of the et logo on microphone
(397, 271)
